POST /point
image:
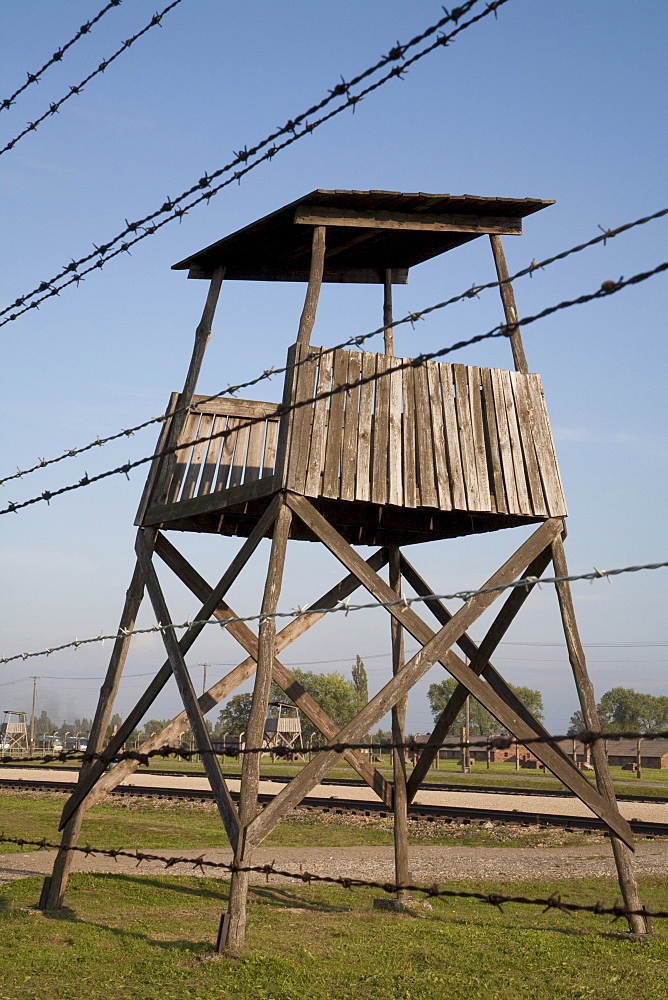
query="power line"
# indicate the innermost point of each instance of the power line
(58, 55)
(129, 235)
(55, 106)
(502, 330)
(343, 606)
(471, 292)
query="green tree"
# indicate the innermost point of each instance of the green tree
(152, 727)
(333, 692)
(43, 724)
(233, 717)
(482, 722)
(623, 708)
(360, 681)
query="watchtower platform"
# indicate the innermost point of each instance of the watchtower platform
(401, 452)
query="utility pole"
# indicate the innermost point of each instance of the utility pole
(205, 667)
(34, 678)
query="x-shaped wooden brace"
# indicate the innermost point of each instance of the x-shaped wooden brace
(99, 782)
(435, 647)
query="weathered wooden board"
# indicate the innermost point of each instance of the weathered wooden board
(433, 435)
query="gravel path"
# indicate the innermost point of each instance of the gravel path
(427, 864)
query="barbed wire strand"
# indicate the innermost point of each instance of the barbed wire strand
(585, 737)
(434, 891)
(57, 55)
(344, 606)
(472, 292)
(502, 330)
(55, 106)
(240, 159)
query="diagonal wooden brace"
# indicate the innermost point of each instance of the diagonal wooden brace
(212, 600)
(96, 789)
(493, 702)
(285, 680)
(226, 807)
(435, 647)
(479, 657)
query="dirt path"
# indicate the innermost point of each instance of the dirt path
(427, 864)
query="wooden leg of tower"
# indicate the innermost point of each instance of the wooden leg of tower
(622, 854)
(399, 736)
(235, 937)
(55, 885)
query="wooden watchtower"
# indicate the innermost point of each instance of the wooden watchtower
(363, 449)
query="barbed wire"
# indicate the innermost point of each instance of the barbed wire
(55, 106)
(586, 737)
(58, 55)
(129, 235)
(472, 292)
(343, 606)
(434, 891)
(501, 330)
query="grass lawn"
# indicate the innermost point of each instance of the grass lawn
(155, 824)
(151, 938)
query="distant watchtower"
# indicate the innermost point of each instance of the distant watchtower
(363, 449)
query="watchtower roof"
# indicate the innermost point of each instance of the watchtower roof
(368, 232)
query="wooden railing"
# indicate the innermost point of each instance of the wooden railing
(452, 437)
(218, 463)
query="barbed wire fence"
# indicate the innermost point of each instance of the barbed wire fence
(501, 330)
(343, 606)
(174, 209)
(473, 291)
(76, 89)
(57, 56)
(434, 891)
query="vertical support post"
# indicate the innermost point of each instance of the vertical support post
(638, 761)
(55, 885)
(509, 307)
(387, 312)
(622, 854)
(235, 931)
(400, 799)
(202, 336)
(307, 318)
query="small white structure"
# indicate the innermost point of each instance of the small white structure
(284, 729)
(14, 733)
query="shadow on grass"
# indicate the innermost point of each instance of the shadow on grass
(289, 897)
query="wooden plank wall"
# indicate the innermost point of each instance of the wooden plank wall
(216, 463)
(451, 437)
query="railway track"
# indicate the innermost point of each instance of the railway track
(353, 806)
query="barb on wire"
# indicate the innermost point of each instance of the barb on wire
(58, 55)
(356, 340)
(495, 899)
(502, 330)
(55, 106)
(346, 607)
(501, 742)
(204, 189)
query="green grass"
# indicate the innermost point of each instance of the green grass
(151, 938)
(123, 823)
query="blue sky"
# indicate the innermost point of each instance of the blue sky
(551, 100)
